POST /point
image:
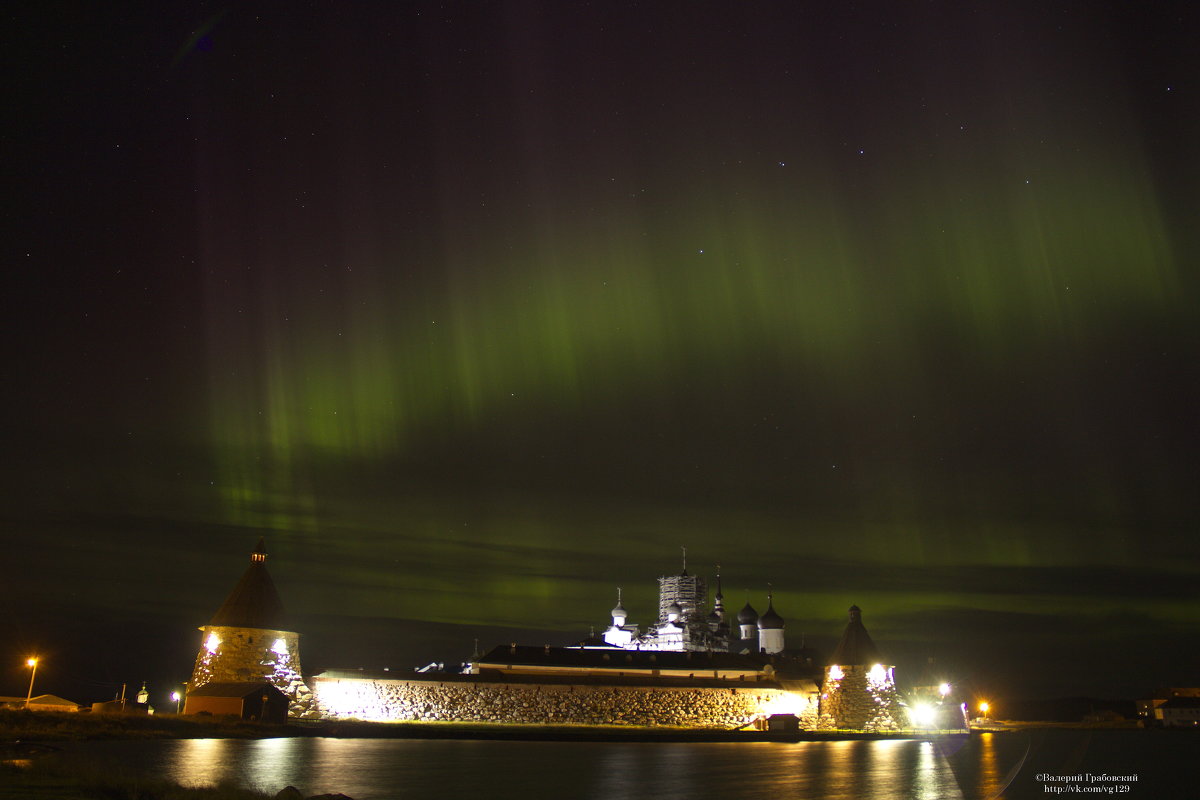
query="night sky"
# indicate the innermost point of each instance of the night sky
(479, 311)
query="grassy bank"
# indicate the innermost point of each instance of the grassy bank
(48, 726)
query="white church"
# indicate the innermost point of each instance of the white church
(683, 625)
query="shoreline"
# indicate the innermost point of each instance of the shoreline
(50, 727)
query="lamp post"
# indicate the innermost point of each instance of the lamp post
(31, 662)
(176, 696)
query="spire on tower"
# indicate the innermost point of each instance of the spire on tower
(684, 549)
(619, 614)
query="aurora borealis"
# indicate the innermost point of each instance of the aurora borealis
(477, 312)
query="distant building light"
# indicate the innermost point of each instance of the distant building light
(279, 648)
(923, 715)
(212, 643)
(835, 673)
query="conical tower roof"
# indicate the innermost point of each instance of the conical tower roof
(254, 601)
(856, 646)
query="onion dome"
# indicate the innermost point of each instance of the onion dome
(770, 620)
(747, 616)
(619, 608)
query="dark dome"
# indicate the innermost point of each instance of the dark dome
(770, 620)
(748, 616)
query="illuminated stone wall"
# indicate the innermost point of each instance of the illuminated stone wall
(539, 704)
(254, 654)
(860, 698)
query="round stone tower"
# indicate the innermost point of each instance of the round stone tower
(247, 639)
(860, 686)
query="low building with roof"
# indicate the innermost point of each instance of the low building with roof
(250, 700)
(41, 702)
(1149, 710)
(517, 659)
(250, 640)
(1180, 712)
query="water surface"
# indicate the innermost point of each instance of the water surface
(380, 769)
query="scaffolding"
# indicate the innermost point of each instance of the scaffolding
(689, 591)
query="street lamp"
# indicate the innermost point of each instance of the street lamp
(983, 708)
(176, 696)
(32, 663)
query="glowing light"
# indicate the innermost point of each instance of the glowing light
(785, 703)
(835, 673)
(923, 715)
(357, 701)
(877, 675)
(944, 689)
(212, 643)
(279, 648)
(983, 708)
(32, 663)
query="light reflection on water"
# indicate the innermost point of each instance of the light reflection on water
(381, 769)
(367, 769)
(989, 768)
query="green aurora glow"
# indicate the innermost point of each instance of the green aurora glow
(485, 316)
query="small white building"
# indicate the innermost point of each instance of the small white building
(1180, 712)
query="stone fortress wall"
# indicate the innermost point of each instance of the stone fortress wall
(490, 700)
